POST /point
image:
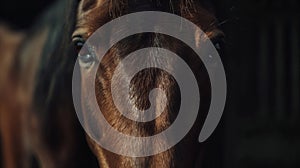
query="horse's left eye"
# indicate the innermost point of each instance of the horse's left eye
(218, 46)
(218, 42)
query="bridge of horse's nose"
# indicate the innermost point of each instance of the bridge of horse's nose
(141, 5)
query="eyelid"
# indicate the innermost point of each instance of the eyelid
(218, 37)
(78, 38)
(81, 32)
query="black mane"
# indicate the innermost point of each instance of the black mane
(52, 101)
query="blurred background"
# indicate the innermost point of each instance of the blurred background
(261, 123)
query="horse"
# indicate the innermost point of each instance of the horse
(49, 130)
(93, 14)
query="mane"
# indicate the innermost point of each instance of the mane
(55, 57)
(52, 95)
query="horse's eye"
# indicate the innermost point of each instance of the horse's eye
(86, 56)
(218, 46)
(78, 43)
(218, 42)
(85, 52)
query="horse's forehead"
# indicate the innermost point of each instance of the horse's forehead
(88, 12)
(92, 14)
(85, 6)
(88, 4)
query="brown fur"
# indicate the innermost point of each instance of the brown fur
(184, 154)
(36, 110)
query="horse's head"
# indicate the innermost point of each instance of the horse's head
(91, 15)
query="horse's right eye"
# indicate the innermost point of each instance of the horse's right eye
(86, 60)
(78, 44)
(86, 53)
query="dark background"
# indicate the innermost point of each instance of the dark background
(260, 125)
